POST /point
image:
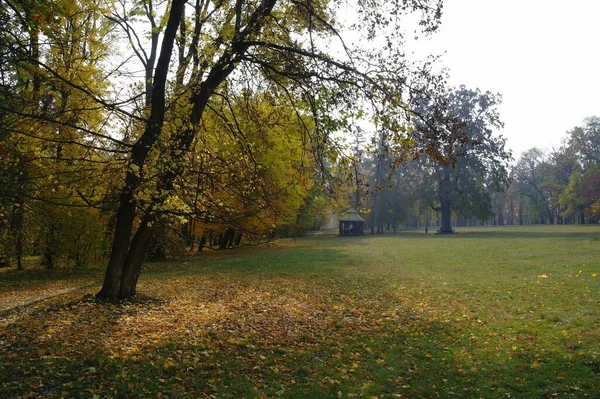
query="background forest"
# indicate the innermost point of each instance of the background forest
(141, 129)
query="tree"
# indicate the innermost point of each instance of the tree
(249, 171)
(43, 45)
(19, 91)
(226, 45)
(579, 163)
(468, 162)
(52, 122)
(532, 174)
(585, 140)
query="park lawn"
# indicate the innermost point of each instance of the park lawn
(490, 312)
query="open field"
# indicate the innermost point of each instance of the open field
(490, 312)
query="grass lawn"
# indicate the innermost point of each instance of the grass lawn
(487, 313)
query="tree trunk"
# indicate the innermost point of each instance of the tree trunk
(124, 266)
(17, 227)
(113, 279)
(226, 238)
(520, 213)
(238, 239)
(135, 258)
(114, 272)
(446, 226)
(49, 246)
(231, 239)
(446, 189)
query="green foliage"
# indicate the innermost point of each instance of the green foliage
(560, 186)
(571, 200)
(460, 161)
(586, 141)
(313, 214)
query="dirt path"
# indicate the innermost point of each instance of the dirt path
(18, 303)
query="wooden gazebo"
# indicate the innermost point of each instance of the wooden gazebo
(352, 224)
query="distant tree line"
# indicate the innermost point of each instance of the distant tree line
(561, 185)
(479, 182)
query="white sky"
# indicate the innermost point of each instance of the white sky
(543, 56)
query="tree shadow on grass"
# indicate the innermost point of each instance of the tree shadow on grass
(277, 323)
(286, 336)
(285, 260)
(282, 338)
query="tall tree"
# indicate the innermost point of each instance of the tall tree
(50, 56)
(585, 140)
(532, 174)
(226, 44)
(469, 161)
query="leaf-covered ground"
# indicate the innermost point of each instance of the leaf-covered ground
(511, 312)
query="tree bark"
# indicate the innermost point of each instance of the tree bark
(446, 226)
(238, 239)
(113, 279)
(135, 257)
(550, 216)
(445, 208)
(17, 227)
(126, 259)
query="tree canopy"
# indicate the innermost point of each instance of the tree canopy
(200, 111)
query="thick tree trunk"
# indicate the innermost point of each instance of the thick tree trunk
(226, 238)
(113, 279)
(446, 190)
(114, 272)
(446, 226)
(125, 263)
(238, 239)
(135, 257)
(202, 243)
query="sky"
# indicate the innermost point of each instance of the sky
(542, 55)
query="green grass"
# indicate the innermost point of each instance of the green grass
(487, 313)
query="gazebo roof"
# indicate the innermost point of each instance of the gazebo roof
(351, 215)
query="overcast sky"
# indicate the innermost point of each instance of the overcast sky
(541, 55)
